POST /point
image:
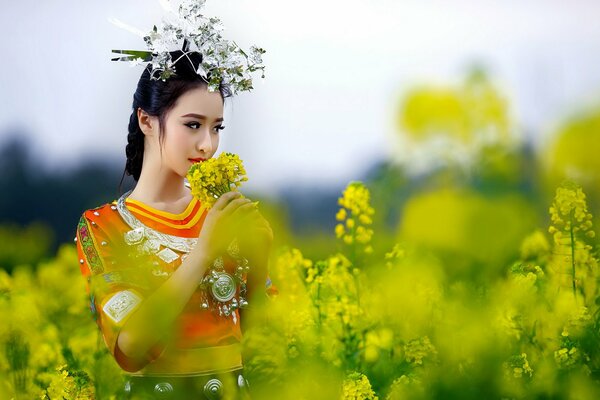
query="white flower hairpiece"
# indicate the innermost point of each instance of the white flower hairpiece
(222, 59)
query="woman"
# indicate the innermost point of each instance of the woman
(144, 255)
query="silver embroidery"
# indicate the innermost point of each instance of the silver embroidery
(121, 304)
(134, 236)
(151, 245)
(167, 255)
(184, 245)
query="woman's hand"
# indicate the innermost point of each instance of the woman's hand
(256, 235)
(255, 243)
(222, 223)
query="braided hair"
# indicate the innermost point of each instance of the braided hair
(157, 98)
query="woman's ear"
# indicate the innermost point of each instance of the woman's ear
(147, 123)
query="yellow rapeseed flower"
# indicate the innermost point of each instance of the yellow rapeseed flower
(365, 219)
(339, 230)
(573, 259)
(357, 387)
(534, 246)
(518, 366)
(356, 198)
(569, 211)
(418, 349)
(212, 178)
(341, 214)
(357, 212)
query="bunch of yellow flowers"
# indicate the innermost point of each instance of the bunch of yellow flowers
(573, 257)
(212, 178)
(357, 387)
(569, 212)
(356, 211)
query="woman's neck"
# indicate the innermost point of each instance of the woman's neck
(162, 190)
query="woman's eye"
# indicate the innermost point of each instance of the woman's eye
(196, 125)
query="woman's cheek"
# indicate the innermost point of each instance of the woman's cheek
(215, 144)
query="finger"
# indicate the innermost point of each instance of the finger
(225, 199)
(242, 218)
(234, 205)
(264, 226)
(244, 210)
(257, 218)
(253, 226)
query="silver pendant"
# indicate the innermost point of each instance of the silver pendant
(218, 263)
(223, 288)
(226, 310)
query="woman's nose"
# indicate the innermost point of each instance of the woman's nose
(204, 144)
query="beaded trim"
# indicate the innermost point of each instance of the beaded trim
(87, 242)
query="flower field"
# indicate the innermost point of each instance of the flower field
(484, 285)
(354, 325)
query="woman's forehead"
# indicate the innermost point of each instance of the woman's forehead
(200, 103)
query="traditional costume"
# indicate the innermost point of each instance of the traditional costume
(123, 266)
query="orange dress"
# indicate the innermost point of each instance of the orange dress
(118, 280)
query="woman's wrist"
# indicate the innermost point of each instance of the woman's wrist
(201, 259)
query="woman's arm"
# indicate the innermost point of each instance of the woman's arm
(154, 319)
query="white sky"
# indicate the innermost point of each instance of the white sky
(335, 73)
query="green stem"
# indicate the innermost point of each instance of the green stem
(353, 249)
(354, 260)
(357, 286)
(342, 339)
(318, 306)
(572, 254)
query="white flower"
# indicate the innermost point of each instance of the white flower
(202, 72)
(135, 62)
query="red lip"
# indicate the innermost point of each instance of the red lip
(197, 159)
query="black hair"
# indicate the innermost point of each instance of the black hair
(157, 97)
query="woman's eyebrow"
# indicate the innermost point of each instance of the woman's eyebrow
(199, 116)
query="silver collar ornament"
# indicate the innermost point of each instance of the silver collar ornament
(219, 288)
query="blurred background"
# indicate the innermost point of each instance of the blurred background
(433, 104)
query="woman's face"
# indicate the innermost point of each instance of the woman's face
(192, 129)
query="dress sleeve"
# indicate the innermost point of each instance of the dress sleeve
(271, 289)
(114, 294)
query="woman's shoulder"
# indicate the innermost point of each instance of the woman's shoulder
(100, 216)
(106, 207)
